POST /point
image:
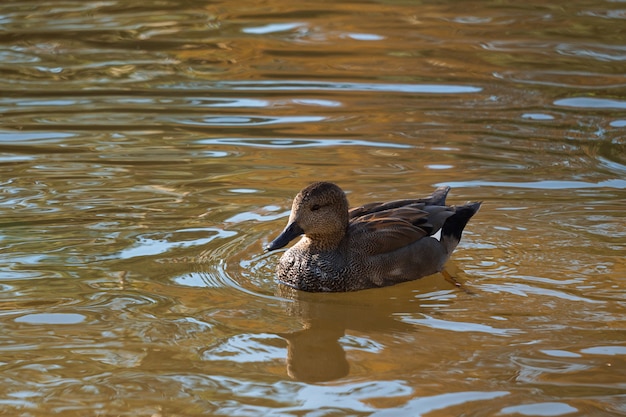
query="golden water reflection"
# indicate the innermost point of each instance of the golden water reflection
(148, 154)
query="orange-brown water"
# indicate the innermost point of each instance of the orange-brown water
(149, 152)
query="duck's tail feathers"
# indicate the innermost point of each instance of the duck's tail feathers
(438, 197)
(453, 227)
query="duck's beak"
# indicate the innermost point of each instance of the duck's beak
(291, 232)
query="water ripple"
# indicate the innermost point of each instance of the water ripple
(160, 243)
(458, 326)
(299, 143)
(547, 184)
(591, 103)
(426, 405)
(244, 348)
(248, 120)
(526, 290)
(348, 86)
(540, 409)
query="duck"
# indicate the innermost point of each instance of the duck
(374, 245)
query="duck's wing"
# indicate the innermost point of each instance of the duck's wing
(387, 230)
(437, 198)
(372, 208)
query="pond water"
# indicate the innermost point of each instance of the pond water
(149, 152)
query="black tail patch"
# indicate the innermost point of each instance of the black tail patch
(455, 224)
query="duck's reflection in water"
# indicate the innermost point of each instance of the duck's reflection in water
(315, 353)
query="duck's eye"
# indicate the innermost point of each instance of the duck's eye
(315, 207)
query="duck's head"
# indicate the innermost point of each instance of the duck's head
(320, 211)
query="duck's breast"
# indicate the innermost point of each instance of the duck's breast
(313, 271)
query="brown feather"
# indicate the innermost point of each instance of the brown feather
(385, 234)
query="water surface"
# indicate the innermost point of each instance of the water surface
(149, 152)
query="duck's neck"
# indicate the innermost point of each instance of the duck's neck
(325, 243)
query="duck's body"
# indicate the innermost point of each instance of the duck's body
(375, 245)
